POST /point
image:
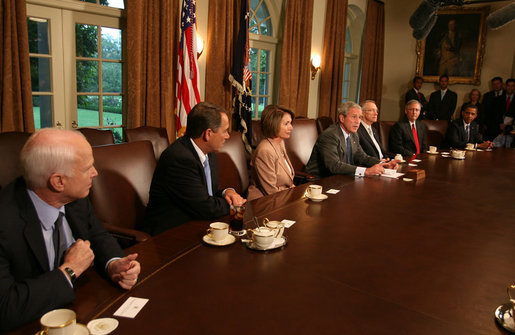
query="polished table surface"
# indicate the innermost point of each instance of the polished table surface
(382, 256)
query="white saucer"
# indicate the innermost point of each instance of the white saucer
(460, 158)
(407, 179)
(278, 242)
(432, 153)
(80, 329)
(102, 326)
(317, 198)
(470, 149)
(403, 161)
(226, 241)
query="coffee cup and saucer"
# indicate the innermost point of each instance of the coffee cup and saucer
(458, 154)
(470, 147)
(399, 158)
(432, 150)
(61, 322)
(218, 235)
(314, 193)
(266, 238)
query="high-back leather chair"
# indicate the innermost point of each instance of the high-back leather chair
(11, 144)
(257, 134)
(97, 136)
(384, 133)
(436, 130)
(323, 122)
(232, 164)
(300, 144)
(157, 136)
(120, 192)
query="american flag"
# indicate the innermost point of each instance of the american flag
(187, 87)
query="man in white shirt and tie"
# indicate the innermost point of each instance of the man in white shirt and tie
(442, 102)
(465, 130)
(408, 137)
(368, 137)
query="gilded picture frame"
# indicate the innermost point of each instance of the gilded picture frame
(455, 46)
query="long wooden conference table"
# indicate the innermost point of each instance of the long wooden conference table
(382, 256)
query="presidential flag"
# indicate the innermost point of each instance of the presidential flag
(240, 79)
(187, 88)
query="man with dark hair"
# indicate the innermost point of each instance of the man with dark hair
(185, 183)
(49, 233)
(442, 103)
(506, 109)
(491, 116)
(465, 130)
(408, 137)
(415, 94)
(337, 149)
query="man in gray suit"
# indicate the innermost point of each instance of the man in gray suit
(337, 150)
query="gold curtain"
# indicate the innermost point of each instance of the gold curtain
(373, 53)
(223, 20)
(295, 58)
(15, 86)
(152, 48)
(333, 58)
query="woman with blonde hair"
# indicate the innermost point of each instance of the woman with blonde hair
(272, 170)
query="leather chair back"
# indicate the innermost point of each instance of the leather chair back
(157, 136)
(97, 136)
(232, 164)
(11, 144)
(120, 192)
(257, 134)
(384, 133)
(436, 130)
(301, 142)
(323, 122)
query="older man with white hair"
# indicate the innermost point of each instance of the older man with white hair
(49, 233)
(337, 149)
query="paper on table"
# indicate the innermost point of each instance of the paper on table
(393, 175)
(416, 160)
(411, 164)
(131, 307)
(288, 223)
(332, 191)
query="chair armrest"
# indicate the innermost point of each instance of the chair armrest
(130, 234)
(302, 178)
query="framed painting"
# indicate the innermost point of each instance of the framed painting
(454, 46)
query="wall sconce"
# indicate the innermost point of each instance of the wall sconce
(200, 46)
(315, 65)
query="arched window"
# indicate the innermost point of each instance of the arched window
(262, 45)
(353, 45)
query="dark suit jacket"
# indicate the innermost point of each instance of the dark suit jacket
(178, 193)
(456, 137)
(27, 288)
(367, 144)
(329, 154)
(412, 95)
(438, 109)
(492, 114)
(402, 141)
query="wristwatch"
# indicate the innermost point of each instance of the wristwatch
(71, 273)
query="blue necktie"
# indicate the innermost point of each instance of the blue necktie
(207, 171)
(349, 151)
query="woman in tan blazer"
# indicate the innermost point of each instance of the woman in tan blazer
(271, 168)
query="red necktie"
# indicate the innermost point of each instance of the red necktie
(419, 98)
(415, 137)
(508, 102)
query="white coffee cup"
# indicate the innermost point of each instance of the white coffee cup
(276, 226)
(458, 154)
(58, 322)
(262, 237)
(399, 157)
(314, 190)
(218, 231)
(470, 146)
(432, 149)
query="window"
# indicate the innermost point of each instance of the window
(353, 51)
(76, 62)
(261, 55)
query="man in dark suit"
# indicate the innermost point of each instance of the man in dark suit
(415, 94)
(49, 234)
(506, 108)
(491, 114)
(442, 103)
(185, 183)
(465, 130)
(337, 149)
(408, 137)
(368, 137)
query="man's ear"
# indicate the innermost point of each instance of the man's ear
(341, 117)
(207, 134)
(56, 182)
